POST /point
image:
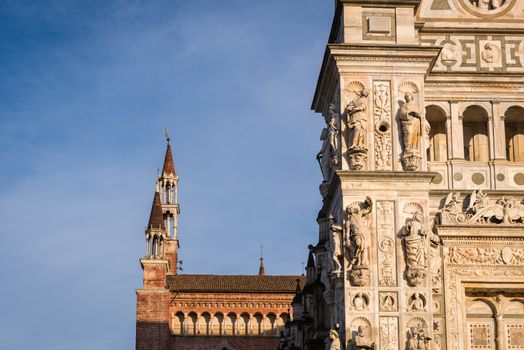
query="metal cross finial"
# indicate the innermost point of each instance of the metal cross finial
(261, 251)
(166, 135)
(302, 263)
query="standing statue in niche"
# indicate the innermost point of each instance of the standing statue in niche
(413, 127)
(328, 154)
(357, 123)
(362, 339)
(358, 120)
(415, 246)
(357, 230)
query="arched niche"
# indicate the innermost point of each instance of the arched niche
(475, 131)
(437, 147)
(514, 132)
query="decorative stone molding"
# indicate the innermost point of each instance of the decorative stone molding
(382, 120)
(387, 269)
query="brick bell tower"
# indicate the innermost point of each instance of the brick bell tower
(160, 260)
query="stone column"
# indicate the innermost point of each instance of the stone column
(500, 331)
(499, 131)
(457, 134)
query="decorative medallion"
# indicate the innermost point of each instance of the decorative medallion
(488, 8)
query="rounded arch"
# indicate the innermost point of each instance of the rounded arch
(178, 323)
(514, 133)
(203, 323)
(216, 324)
(230, 323)
(257, 324)
(481, 307)
(514, 308)
(191, 323)
(242, 324)
(475, 132)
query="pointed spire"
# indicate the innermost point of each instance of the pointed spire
(169, 165)
(156, 219)
(310, 260)
(261, 270)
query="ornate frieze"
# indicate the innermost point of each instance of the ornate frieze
(469, 53)
(387, 270)
(485, 256)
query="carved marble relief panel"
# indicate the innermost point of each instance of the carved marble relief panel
(389, 333)
(382, 123)
(469, 53)
(386, 252)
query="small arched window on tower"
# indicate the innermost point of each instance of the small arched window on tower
(437, 148)
(514, 123)
(476, 141)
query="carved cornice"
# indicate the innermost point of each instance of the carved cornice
(480, 232)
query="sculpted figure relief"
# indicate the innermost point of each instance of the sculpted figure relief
(362, 339)
(357, 119)
(336, 250)
(413, 129)
(415, 246)
(487, 4)
(328, 154)
(410, 119)
(357, 241)
(418, 340)
(480, 210)
(357, 227)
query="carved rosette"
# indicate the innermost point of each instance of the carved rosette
(382, 120)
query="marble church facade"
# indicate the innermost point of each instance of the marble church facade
(421, 227)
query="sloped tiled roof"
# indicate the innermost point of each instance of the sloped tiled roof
(234, 283)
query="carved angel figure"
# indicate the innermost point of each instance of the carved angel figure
(410, 120)
(415, 242)
(477, 201)
(356, 226)
(358, 120)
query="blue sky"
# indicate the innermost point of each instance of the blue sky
(86, 88)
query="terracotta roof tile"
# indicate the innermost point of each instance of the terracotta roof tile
(234, 283)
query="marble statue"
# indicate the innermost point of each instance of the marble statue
(410, 120)
(418, 340)
(362, 340)
(328, 154)
(357, 227)
(415, 242)
(336, 247)
(357, 116)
